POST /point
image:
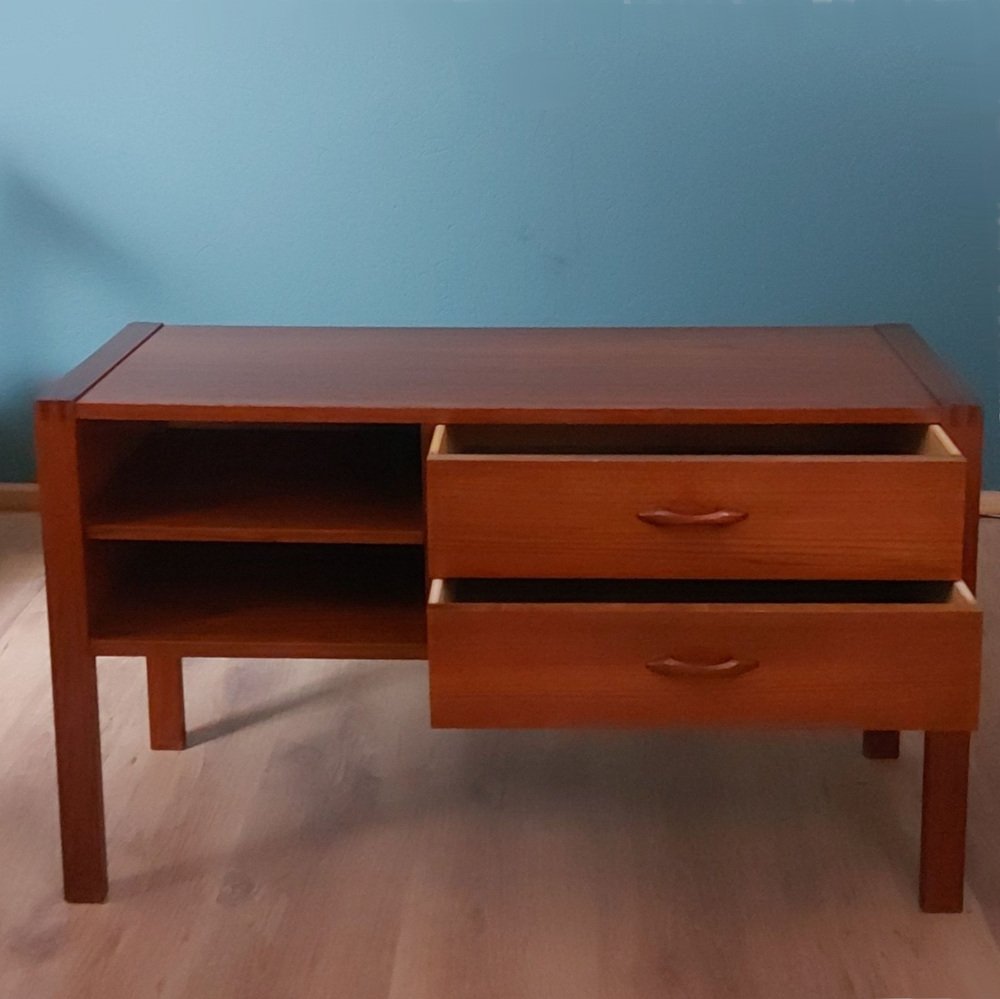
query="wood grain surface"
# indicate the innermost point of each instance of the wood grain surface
(564, 663)
(793, 374)
(805, 516)
(73, 668)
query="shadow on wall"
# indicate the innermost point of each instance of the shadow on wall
(54, 260)
(15, 433)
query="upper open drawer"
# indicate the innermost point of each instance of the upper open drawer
(779, 502)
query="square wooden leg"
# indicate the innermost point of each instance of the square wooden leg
(74, 669)
(78, 766)
(880, 744)
(942, 842)
(165, 690)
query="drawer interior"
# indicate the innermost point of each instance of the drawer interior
(697, 591)
(696, 439)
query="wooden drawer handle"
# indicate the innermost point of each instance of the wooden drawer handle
(671, 518)
(678, 667)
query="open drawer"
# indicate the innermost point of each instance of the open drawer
(545, 653)
(696, 502)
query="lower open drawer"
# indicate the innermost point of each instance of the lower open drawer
(546, 653)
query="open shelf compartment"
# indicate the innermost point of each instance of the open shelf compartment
(310, 601)
(183, 482)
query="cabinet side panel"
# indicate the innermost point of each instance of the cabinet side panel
(74, 672)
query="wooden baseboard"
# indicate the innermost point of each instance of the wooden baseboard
(989, 503)
(18, 496)
(21, 496)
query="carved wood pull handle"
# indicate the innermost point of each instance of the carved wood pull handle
(678, 667)
(671, 518)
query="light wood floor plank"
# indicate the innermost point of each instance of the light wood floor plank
(21, 571)
(318, 839)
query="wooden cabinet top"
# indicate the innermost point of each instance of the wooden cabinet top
(423, 375)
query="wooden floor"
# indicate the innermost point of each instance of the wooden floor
(320, 840)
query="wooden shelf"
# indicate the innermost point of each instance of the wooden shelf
(328, 484)
(309, 601)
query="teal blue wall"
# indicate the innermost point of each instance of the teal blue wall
(315, 161)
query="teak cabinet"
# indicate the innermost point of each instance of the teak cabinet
(589, 527)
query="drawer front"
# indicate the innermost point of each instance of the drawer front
(810, 517)
(548, 665)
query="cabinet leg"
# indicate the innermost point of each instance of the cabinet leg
(880, 745)
(165, 689)
(942, 843)
(81, 789)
